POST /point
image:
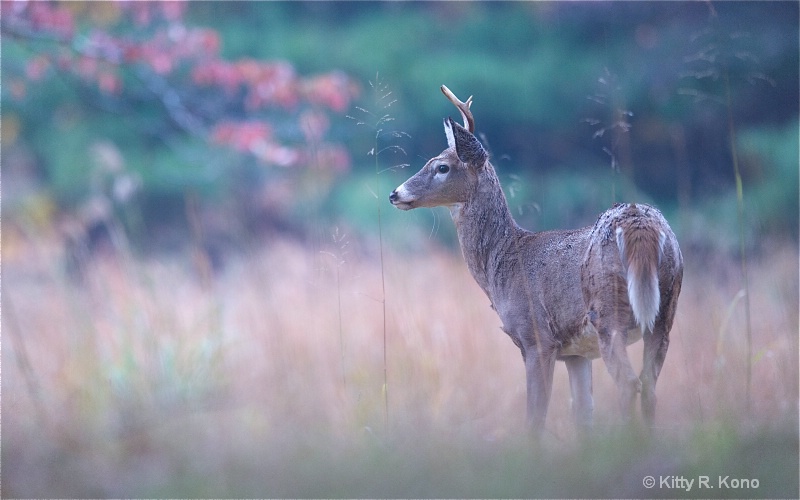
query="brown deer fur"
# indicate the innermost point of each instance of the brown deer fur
(570, 295)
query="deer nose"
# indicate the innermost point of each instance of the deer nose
(393, 197)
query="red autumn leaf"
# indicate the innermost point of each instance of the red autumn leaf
(157, 52)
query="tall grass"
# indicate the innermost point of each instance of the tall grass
(340, 243)
(611, 124)
(378, 117)
(720, 53)
(155, 385)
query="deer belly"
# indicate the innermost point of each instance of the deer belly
(586, 344)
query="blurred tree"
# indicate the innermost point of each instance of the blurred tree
(563, 90)
(535, 68)
(135, 90)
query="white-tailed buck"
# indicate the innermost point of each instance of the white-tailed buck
(571, 295)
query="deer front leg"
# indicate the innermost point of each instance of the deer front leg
(580, 382)
(539, 368)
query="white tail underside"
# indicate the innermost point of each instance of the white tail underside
(643, 292)
(644, 297)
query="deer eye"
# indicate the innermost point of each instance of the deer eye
(443, 168)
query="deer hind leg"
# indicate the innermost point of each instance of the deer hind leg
(656, 344)
(580, 382)
(612, 341)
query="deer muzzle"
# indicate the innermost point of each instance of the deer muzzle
(401, 198)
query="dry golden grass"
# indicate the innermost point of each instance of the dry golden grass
(268, 381)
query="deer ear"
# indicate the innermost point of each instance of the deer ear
(467, 146)
(448, 131)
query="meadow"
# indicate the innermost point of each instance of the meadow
(313, 372)
(304, 360)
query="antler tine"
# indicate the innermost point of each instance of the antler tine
(463, 108)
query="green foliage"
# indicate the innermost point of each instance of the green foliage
(771, 155)
(571, 198)
(533, 66)
(547, 78)
(769, 158)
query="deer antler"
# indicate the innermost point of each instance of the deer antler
(463, 108)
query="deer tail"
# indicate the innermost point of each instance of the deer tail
(640, 246)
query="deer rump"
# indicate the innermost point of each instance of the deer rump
(619, 277)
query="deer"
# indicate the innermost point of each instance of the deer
(570, 295)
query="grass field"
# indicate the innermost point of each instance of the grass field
(151, 380)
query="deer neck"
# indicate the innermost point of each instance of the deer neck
(485, 229)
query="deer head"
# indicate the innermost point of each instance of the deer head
(450, 177)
